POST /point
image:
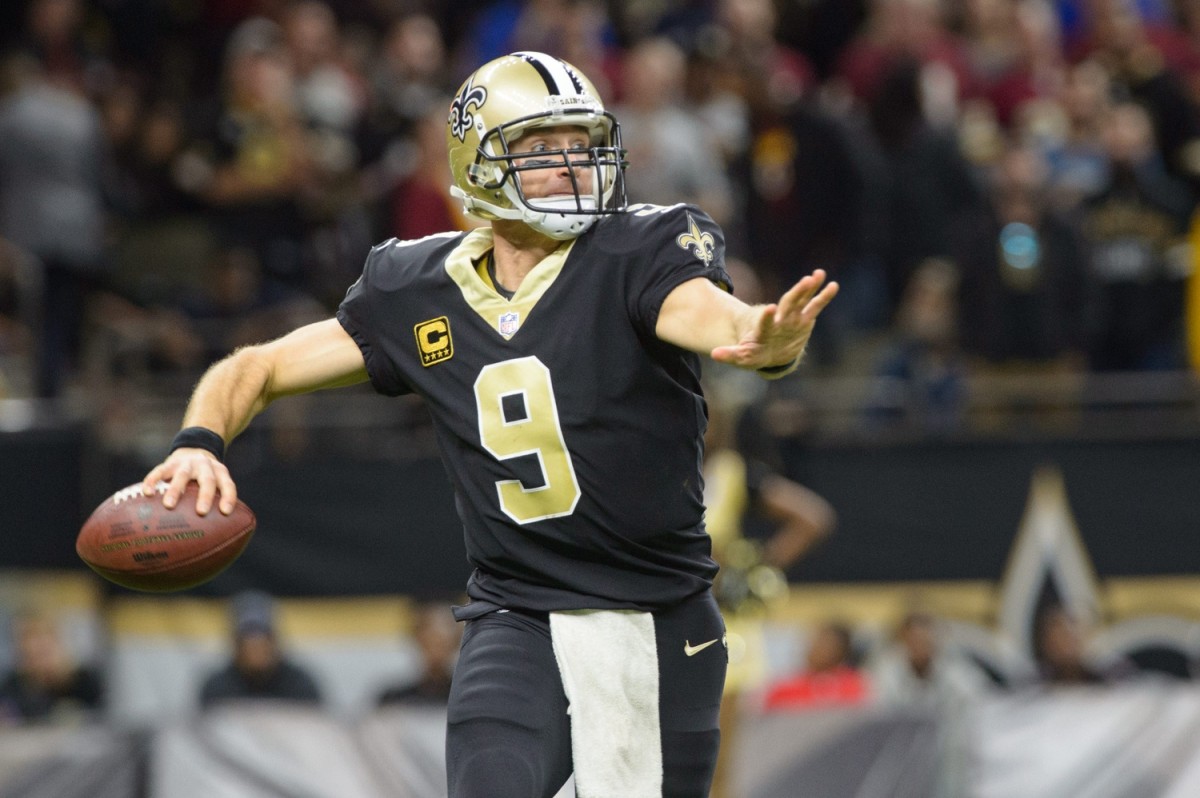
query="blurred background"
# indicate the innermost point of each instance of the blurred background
(959, 546)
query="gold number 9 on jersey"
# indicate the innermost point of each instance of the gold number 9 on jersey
(518, 416)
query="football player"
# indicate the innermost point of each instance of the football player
(558, 352)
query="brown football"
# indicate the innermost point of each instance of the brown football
(134, 541)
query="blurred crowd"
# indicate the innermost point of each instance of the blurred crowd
(999, 185)
(44, 679)
(918, 664)
(920, 661)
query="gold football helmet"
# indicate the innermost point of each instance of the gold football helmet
(498, 104)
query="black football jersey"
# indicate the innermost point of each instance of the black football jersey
(572, 434)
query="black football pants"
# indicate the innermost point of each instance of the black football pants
(508, 732)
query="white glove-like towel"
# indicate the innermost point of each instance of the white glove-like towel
(609, 665)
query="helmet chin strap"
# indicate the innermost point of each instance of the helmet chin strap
(562, 226)
(559, 226)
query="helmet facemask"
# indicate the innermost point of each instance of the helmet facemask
(567, 215)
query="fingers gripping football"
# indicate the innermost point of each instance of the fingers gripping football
(186, 465)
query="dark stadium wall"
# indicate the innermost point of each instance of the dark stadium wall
(932, 511)
(950, 510)
(41, 474)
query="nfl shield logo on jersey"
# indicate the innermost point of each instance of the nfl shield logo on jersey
(509, 322)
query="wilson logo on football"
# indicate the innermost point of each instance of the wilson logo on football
(433, 341)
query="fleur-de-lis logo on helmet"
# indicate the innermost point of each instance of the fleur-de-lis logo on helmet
(461, 118)
(700, 243)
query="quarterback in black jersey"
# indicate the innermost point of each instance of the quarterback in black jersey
(558, 351)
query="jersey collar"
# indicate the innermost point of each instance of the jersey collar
(504, 316)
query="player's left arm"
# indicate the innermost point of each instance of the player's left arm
(699, 316)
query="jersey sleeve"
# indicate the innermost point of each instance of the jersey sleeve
(363, 315)
(681, 243)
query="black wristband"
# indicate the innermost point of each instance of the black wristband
(780, 369)
(200, 438)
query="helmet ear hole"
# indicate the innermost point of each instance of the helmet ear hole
(477, 174)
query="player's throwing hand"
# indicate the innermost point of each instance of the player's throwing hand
(186, 465)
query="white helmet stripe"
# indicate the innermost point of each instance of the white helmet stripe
(558, 79)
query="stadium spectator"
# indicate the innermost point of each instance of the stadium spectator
(1026, 287)
(1137, 224)
(505, 26)
(1188, 14)
(54, 36)
(408, 75)
(924, 368)
(231, 303)
(52, 204)
(897, 33)
(715, 94)
(259, 669)
(329, 95)
(1021, 69)
(437, 637)
(773, 76)
(677, 160)
(420, 203)
(1146, 61)
(330, 92)
(250, 160)
(578, 31)
(812, 186)
(829, 678)
(1059, 652)
(989, 31)
(145, 138)
(1073, 144)
(46, 684)
(926, 181)
(918, 669)
(405, 182)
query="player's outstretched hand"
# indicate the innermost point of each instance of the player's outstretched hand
(186, 465)
(782, 329)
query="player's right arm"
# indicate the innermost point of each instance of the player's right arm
(236, 389)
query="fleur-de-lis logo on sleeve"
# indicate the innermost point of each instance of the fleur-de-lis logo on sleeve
(461, 118)
(700, 243)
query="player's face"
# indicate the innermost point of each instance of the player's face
(554, 178)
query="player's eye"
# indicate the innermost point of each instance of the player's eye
(537, 147)
(579, 152)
